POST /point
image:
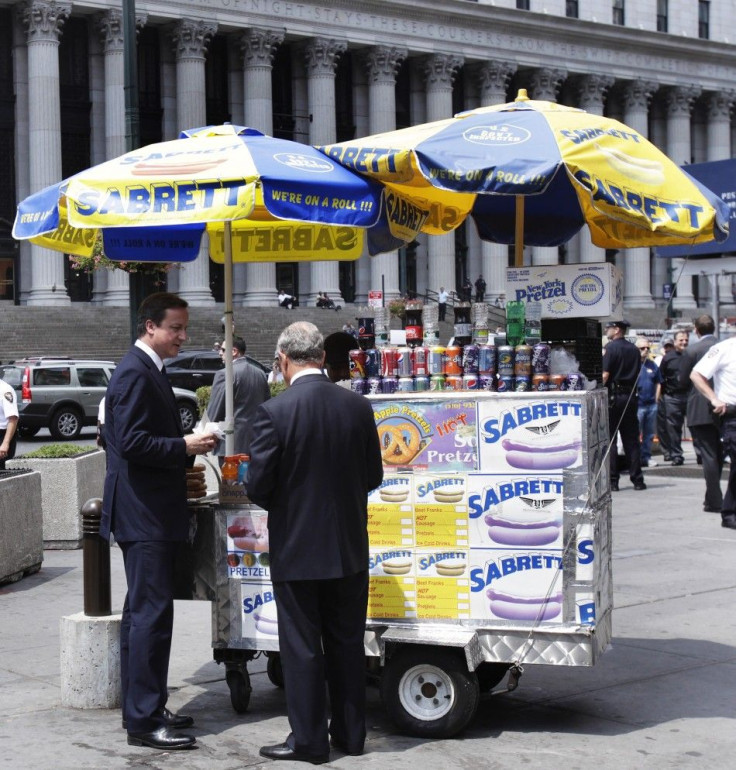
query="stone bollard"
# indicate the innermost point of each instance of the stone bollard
(90, 640)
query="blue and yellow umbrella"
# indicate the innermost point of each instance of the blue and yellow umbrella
(534, 172)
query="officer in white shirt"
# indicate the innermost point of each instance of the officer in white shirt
(8, 423)
(719, 364)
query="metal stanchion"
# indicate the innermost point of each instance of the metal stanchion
(96, 561)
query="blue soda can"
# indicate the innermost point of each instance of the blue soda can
(372, 363)
(487, 359)
(540, 358)
(470, 382)
(486, 381)
(504, 383)
(522, 384)
(359, 385)
(405, 385)
(470, 359)
(373, 385)
(405, 365)
(505, 361)
(389, 384)
(436, 360)
(421, 383)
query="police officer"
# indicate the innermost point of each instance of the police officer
(8, 423)
(621, 364)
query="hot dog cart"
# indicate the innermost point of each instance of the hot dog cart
(490, 550)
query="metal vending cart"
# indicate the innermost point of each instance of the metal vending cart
(490, 550)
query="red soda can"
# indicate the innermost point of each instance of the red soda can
(403, 362)
(419, 362)
(389, 362)
(357, 364)
(454, 360)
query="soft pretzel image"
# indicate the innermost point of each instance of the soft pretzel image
(400, 443)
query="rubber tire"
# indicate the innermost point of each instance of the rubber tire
(490, 674)
(66, 424)
(274, 671)
(238, 683)
(409, 666)
(24, 432)
(188, 414)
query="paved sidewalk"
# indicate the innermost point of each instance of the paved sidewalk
(661, 697)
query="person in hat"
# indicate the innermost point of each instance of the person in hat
(337, 358)
(621, 365)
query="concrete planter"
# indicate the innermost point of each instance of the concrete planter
(21, 543)
(66, 484)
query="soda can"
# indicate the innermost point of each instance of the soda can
(436, 360)
(470, 359)
(470, 382)
(373, 385)
(454, 360)
(540, 382)
(487, 359)
(574, 381)
(540, 358)
(522, 384)
(372, 362)
(357, 364)
(390, 362)
(505, 361)
(437, 382)
(419, 361)
(504, 383)
(406, 385)
(486, 381)
(454, 382)
(413, 334)
(421, 383)
(359, 385)
(403, 363)
(389, 384)
(523, 361)
(557, 382)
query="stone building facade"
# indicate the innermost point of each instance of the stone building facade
(321, 72)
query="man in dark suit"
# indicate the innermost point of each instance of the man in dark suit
(315, 456)
(700, 420)
(144, 506)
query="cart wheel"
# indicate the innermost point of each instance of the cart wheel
(429, 692)
(274, 671)
(238, 681)
(490, 674)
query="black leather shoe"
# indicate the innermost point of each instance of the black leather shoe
(614, 486)
(708, 509)
(340, 746)
(284, 751)
(639, 485)
(164, 738)
(678, 461)
(177, 721)
(730, 522)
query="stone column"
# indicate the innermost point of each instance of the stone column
(381, 64)
(321, 56)
(258, 47)
(22, 182)
(493, 80)
(637, 95)
(302, 120)
(591, 92)
(363, 278)
(439, 73)
(418, 114)
(679, 100)
(190, 39)
(237, 117)
(545, 85)
(169, 119)
(44, 20)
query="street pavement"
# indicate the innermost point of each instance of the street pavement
(663, 695)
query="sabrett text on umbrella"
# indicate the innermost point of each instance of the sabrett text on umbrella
(65, 233)
(307, 238)
(368, 159)
(579, 135)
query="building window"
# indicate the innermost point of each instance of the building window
(704, 19)
(618, 12)
(661, 15)
(522, 5)
(571, 9)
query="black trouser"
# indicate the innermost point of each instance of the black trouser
(707, 442)
(622, 415)
(11, 449)
(443, 309)
(662, 434)
(675, 408)
(728, 431)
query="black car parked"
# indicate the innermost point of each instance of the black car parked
(192, 369)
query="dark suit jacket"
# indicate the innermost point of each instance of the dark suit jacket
(250, 389)
(145, 484)
(315, 456)
(699, 411)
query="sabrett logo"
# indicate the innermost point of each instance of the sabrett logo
(480, 504)
(494, 429)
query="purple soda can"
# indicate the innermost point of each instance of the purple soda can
(540, 358)
(405, 385)
(437, 382)
(421, 383)
(486, 381)
(403, 362)
(574, 381)
(487, 359)
(470, 359)
(359, 385)
(389, 384)
(374, 385)
(504, 383)
(470, 382)
(505, 361)
(372, 363)
(522, 384)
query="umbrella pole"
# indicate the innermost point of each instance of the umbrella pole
(228, 342)
(519, 233)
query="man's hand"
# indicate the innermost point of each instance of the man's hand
(200, 443)
(719, 407)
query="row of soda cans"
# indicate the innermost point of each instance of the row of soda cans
(454, 360)
(497, 383)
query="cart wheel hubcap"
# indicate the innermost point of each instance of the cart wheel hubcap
(426, 693)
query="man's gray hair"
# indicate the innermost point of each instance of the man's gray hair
(303, 343)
